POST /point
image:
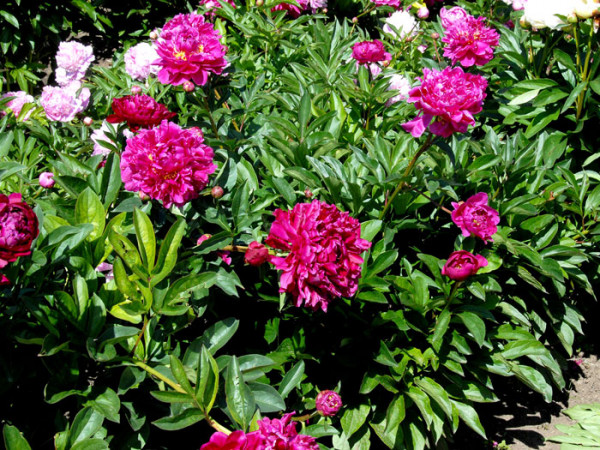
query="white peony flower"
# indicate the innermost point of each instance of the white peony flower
(404, 22)
(543, 13)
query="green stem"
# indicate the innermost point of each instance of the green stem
(407, 172)
(585, 74)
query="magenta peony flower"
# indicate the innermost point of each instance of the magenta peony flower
(46, 179)
(450, 98)
(470, 42)
(64, 103)
(167, 163)
(189, 49)
(16, 104)
(452, 15)
(475, 217)
(392, 3)
(292, 10)
(257, 254)
(4, 281)
(328, 403)
(72, 60)
(324, 259)
(139, 59)
(18, 228)
(237, 440)
(209, 5)
(139, 111)
(366, 52)
(281, 434)
(462, 264)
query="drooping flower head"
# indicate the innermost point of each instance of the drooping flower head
(168, 163)
(64, 103)
(16, 104)
(470, 42)
(209, 5)
(139, 111)
(324, 246)
(402, 21)
(189, 49)
(238, 440)
(450, 98)
(281, 434)
(18, 228)
(463, 264)
(139, 61)
(72, 60)
(475, 217)
(450, 16)
(328, 403)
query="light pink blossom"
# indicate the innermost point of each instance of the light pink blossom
(400, 84)
(100, 135)
(16, 104)
(107, 270)
(64, 103)
(475, 217)
(139, 61)
(46, 179)
(72, 60)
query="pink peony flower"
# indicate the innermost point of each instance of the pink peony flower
(324, 247)
(366, 52)
(238, 440)
(328, 403)
(106, 269)
(452, 15)
(257, 254)
(168, 163)
(450, 98)
(64, 103)
(16, 104)
(281, 434)
(100, 135)
(224, 255)
(400, 84)
(470, 42)
(18, 228)
(392, 3)
(209, 5)
(72, 60)
(462, 264)
(46, 179)
(475, 217)
(189, 49)
(139, 111)
(292, 10)
(4, 281)
(139, 59)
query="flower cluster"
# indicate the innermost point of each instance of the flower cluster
(64, 103)
(189, 49)
(469, 41)
(448, 98)
(167, 163)
(21, 98)
(139, 111)
(72, 61)
(139, 61)
(324, 248)
(18, 228)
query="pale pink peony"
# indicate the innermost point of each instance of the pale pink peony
(16, 104)
(324, 248)
(168, 163)
(209, 5)
(463, 264)
(46, 179)
(72, 60)
(139, 59)
(470, 42)
(100, 135)
(475, 217)
(238, 440)
(64, 103)
(400, 84)
(281, 434)
(392, 3)
(450, 98)
(328, 403)
(314, 5)
(189, 49)
(453, 15)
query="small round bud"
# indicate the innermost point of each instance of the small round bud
(153, 35)
(385, 63)
(46, 180)
(188, 86)
(423, 13)
(257, 254)
(259, 3)
(135, 89)
(143, 196)
(328, 403)
(88, 121)
(217, 192)
(435, 35)
(325, 10)
(355, 20)
(308, 193)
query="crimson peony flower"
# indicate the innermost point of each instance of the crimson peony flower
(324, 247)
(281, 434)
(470, 42)
(366, 52)
(189, 49)
(139, 111)
(462, 264)
(449, 98)
(18, 228)
(475, 217)
(238, 440)
(257, 254)
(168, 163)
(328, 403)
(292, 10)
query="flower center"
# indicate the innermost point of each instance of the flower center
(180, 55)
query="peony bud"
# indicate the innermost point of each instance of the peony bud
(435, 35)
(143, 196)
(259, 3)
(308, 193)
(88, 121)
(46, 180)
(257, 254)
(217, 192)
(355, 20)
(203, 238)
(462, 264)
(328, 403)
(153, 35)
(423, 13)
(325, 10)
(135, 89)
(188, 86)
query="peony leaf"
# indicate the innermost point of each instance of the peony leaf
(167, 255)
(145, 238)
(13, 439)
(89, 209)
(207, 385)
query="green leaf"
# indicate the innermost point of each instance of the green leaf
(13, 439)
(127, 251)
(89, 209)
(10, 18)
(304, 112)
(291, 379)
(207, 385)
(516, 349)
(468, 414)
(354, 418)
(111, 180)
(179, 372)
(185, 419)
(395, 413)
(214, 338)
(86, 423)
(369, 229)
(475, 325)
(441, 327)
(167, 255)
(171, 397)
(240, 401)
(267, 398)
(108, 405)
(91, 444)
(145, 238)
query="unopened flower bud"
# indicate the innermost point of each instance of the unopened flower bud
(217, 192)
(188, 86)
(328, 403)
(257, 254)
(135, 89)
(325, 10)
(203, 238)
(143, 196)
(153, 35)
(308, 193)
(46, 180)
(259, 3)
(435, 35)
(355, 20)
(385, 63)
(423, 13)
(88, 121)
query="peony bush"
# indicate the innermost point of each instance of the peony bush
(272, 225)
